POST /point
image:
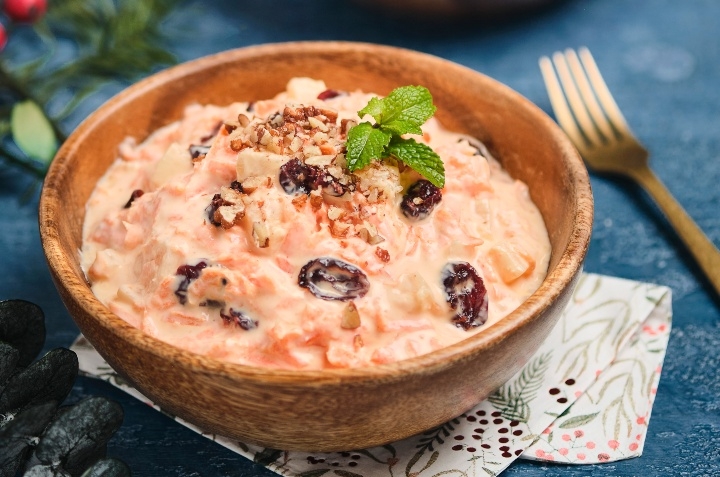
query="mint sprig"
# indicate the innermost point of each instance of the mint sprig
(403, 111)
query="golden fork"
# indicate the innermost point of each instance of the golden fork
(587, 112)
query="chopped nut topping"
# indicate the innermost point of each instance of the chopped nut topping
(229, 127)
(228, 207)
(346, 125)
(316, 200)
(350, 317)
(339, 229)
(251, 184)
(369, 233)
(299, 201)
(231, 195)
(335, 213)
(315, 137)
(236, 144)
(260, 234)
(317, 123)
(229, 215)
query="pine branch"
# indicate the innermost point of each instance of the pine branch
(21, 163)
(116, 40)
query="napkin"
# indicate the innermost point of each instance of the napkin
(585, 397)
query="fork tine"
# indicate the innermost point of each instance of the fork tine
(603, 93)
(586, 91)
(572, 94)
(560, 106)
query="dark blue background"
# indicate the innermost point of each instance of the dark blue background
(661, 59)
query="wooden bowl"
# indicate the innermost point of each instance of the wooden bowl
(334, 409)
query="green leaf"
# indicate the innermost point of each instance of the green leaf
(32, 131)
(364, 145)
(420, 157)
(577, 421)
(374, 108)
(405, 109)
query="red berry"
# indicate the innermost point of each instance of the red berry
(25, 11)
(3, 37)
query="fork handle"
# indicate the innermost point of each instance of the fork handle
(702, 249)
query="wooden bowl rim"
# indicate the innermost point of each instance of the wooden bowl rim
(551, 288)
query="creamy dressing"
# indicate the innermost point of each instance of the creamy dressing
(252, 261)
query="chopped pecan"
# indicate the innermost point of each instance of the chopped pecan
(236, 144)
(335, 213)
(350, 317)
(251, 184)
(369, 233)
(229, 215)
(230, 127)
(346, 125)
(293, 114)
(339, 229)
(260, 234)
(316, 200)
(299, 201)
(232, 194)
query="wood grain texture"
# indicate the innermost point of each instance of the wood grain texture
(330, 409)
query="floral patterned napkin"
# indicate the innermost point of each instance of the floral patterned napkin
(585, 397)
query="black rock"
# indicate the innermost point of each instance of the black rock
(49, 379)
(46, 471)
(108, 468)
(16, 435)
(22, 325)
(9, 357)
(78, 433)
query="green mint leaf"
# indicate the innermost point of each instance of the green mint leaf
(374, 108)
(32, 131)
(419, 157)
(364, 145)
(405, 109)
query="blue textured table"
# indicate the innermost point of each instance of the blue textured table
(661, 59)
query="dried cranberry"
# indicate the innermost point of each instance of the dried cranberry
(328, 93)
(296, 177)
(135, 194)
(197, 150)
(234, 317)
(420, 199)
(216, 202)
(188, 274)
(465, 292)
(332, 279)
